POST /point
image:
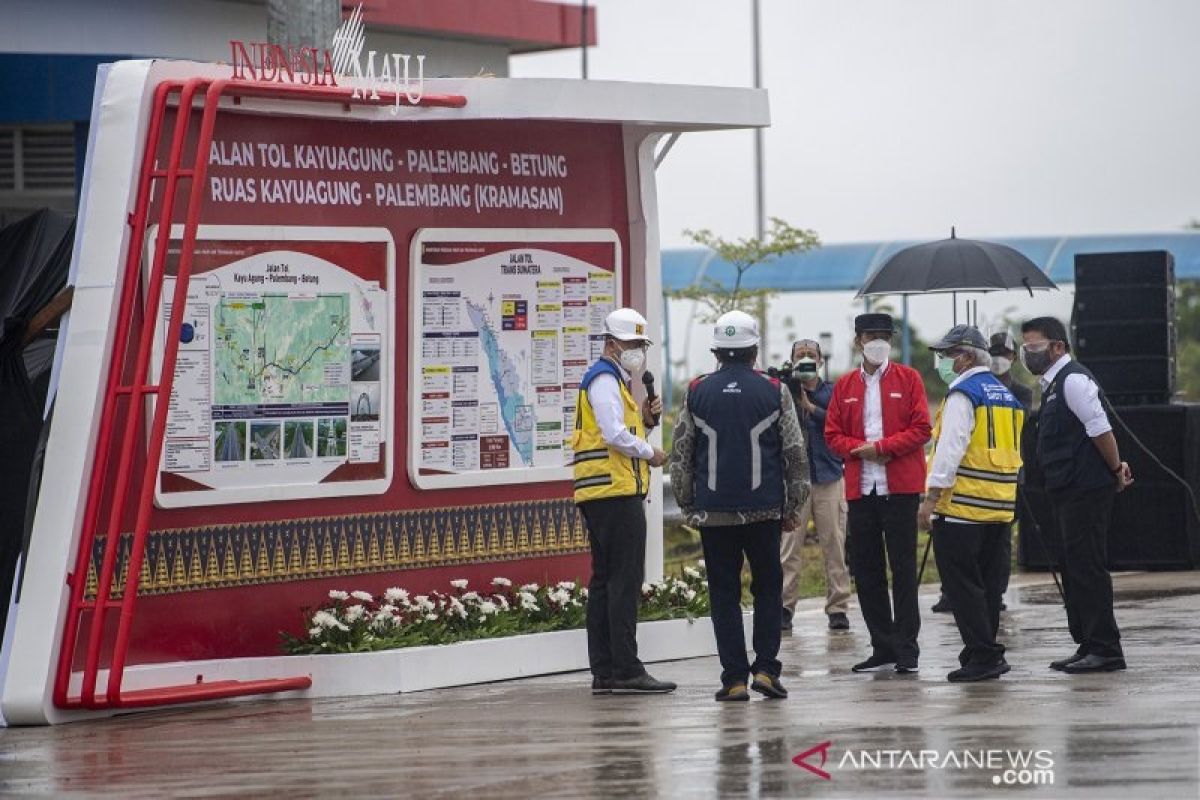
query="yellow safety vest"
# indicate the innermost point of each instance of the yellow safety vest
(601, 471)
(985, 487)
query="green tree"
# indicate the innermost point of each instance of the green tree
(780, 240)
(1187, 337)
(1187, 333)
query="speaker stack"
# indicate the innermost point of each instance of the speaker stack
(1124, 332)
(1152, 524)
(1124, 324)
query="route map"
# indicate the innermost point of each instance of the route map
(504, 325)
(514, 408)
(276, 348)
(283, 376)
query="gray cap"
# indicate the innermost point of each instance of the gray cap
(961, 335)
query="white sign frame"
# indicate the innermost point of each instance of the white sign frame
(499, 477)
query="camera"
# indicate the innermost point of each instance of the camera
(791, 376)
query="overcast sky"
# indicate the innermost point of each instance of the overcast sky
(899, 119)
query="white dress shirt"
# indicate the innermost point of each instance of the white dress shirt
(1082, 396)
(958, 423)
(607, 404)
(874, 474)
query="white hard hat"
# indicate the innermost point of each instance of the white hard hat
(735, 330)
(627, 325)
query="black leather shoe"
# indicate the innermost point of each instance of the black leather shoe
(839, 622)
(1062, 663)
(942, 606)
(874, 663)
(735, 693)
(1094, 663)
(972, 674)
(787, 619)
(642, 684)
(601, 685)
(769, 686)
(906, 667)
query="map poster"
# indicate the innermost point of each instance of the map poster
(504, 324)
(284, 371)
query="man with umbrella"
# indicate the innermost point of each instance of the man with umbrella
(1002, 349)
(878, 423)
(971, 495)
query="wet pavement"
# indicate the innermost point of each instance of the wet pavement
(1130, 734)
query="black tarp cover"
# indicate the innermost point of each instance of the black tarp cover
(35, 256)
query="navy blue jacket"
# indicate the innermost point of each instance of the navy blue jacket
(739, 452)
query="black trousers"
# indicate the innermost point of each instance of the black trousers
(617, 533)
(724, 548)
(973, 563)
(1081, 522)
(882, 531)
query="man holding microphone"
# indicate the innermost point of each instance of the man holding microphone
(612, 476)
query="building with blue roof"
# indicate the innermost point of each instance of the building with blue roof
(846, 267)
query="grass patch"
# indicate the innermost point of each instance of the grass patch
(681, 548)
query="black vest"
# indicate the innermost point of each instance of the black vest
(1066, 455)
(739, 454)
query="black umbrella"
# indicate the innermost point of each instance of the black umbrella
(956, 265)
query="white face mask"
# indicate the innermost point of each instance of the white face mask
(633, 360)
(1001, 365)
(877, 351)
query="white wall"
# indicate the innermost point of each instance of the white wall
(198, 30)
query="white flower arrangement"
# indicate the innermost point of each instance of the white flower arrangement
(357, 622)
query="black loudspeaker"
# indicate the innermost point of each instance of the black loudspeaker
(1153, 523)
(1124, 323)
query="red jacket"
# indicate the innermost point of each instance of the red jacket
(905, 428)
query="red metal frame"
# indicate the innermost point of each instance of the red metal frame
(138, 391)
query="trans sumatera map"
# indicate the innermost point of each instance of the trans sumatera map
(507, 380)
(277, 348)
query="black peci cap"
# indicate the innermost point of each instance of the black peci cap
(874, 323)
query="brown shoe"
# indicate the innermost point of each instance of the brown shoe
(769, 686)
(735, 692)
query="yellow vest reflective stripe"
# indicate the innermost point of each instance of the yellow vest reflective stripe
(985, 485)
(601, 471)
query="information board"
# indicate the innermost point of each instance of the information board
(503, 325)
(284, 373)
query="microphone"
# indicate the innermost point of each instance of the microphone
(648, 382)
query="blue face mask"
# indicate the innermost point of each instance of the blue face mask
(945, 368)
